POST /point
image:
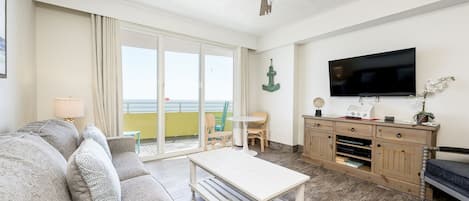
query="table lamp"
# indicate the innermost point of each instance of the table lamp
(69, 108)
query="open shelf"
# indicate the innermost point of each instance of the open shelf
(365, 165)
(353, 156)
(357, 146)
(354, 152)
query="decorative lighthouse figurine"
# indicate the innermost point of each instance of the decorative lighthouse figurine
(271, 87)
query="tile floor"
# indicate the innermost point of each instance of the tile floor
(150, 148)
(324, 185)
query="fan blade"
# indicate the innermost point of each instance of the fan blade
(264, 7)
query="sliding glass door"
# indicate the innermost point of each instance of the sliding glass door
(165, 80)
(140, 78)
(218, 79)
(181, 89)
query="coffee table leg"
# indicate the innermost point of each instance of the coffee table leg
(193, 178)
(300, 193)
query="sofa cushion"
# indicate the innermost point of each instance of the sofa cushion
(60, 134)
(91, 175)
(128, 165)
(98, 136)
(454, 175)
(31, 169)
(144, 188)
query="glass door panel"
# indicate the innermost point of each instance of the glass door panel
(181, 89)
(219, 85)
(139, 79)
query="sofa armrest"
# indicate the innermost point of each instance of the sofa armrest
(453, 150)
(121, 144)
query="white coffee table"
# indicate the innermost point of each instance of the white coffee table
(245, 175)
(245, 120)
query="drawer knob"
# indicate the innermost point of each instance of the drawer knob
(318, 124)
(352, 129)
(399, 135)
(379, 145)
(329, 137)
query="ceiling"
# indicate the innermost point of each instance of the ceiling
(243, 15)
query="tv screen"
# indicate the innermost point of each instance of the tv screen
(383, 74)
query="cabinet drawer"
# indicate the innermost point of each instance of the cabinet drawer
(402, 134)
(319, 125)
(354, 129)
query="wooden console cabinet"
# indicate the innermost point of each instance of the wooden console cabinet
(391, 153)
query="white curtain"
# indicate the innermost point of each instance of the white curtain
(244, 70)
(241, 90)
(107, 75)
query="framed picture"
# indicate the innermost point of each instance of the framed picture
(3, 39)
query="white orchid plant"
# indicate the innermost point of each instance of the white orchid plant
(432, 87)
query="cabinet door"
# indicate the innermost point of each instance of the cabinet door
(398, 161)
(321, 146)
(307, 143)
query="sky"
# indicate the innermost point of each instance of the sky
(139, 67)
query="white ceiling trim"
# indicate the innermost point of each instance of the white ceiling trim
(350, 17)
(159, 19)
(243, 15)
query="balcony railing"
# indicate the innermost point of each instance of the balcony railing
(141, 115)
(151, 106)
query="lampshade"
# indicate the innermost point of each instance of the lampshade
(69, 107)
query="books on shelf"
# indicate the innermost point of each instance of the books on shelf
(354, 164)
(341, 159)
(348, 162)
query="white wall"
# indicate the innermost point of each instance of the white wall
(441, 39)
(63, 50)
(278, 104)
(17, 92)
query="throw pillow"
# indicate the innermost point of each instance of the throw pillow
(91, 175)
(91, 132)
(60, 134)
(31, 169)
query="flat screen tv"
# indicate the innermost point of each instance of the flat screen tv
(383, 74)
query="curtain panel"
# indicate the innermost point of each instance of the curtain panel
(241, 90)
(107, 75)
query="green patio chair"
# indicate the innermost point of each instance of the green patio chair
(133, 134)
(220, 126)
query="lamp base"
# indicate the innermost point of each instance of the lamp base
(318, 113)
(71, 120)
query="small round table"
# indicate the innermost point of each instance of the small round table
(245, 120)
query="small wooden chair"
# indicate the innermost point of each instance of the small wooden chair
(213, 137)
(259, 130)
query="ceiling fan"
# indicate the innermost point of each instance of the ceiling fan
(266, 7)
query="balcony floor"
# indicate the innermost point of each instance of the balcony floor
(150, 147)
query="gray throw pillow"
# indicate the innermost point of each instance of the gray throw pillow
(60, 134)
(91, 175)
(91, 132)
(31, 169)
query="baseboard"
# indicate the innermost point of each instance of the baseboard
(300, 148)
(284, 147)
